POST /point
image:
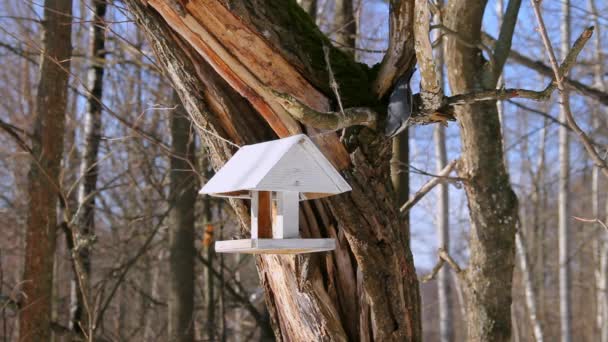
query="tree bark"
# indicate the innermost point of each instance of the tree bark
(182, 251)
(85, 220)
(492, 204)
(208, 66)
(47, 149)
(563, 215)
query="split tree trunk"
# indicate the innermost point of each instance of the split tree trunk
(492, 204)
(47, 149)
(85, 221)
(222, 79)
(182, 251)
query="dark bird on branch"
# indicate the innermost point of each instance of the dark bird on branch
(400, 105)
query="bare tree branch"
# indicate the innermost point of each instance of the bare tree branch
(428, 187)
(594, 220)
(444, 257)
(560, 72)
(543, 69)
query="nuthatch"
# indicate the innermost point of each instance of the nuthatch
(400, 105)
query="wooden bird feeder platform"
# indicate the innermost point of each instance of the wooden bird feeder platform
(276, 175)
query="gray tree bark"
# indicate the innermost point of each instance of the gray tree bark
(43, 191)
(564, 198)
(182, 251)
(85, 220)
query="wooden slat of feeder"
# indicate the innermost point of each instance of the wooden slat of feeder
(264, 215)
(275, 246)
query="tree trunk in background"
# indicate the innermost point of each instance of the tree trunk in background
(444, 288)
(492, 204)
(182, 251)
(564, 198)
(85, 221)
(601, 242)
(345, 26)
(528, 286)
(222, 79)
(47, 146)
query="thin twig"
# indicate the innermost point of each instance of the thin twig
(594, 220)
(428, 187)
(332, 80)
(444, 257)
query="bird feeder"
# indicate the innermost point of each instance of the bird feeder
(275, 176)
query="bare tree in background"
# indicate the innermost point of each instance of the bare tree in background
(47, 150)
(345, 25)
(85, 214)
(564, 198)
(444, 288)
(181, 230)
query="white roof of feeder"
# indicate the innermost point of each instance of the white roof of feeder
(289, 164)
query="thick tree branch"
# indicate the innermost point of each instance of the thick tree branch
(431, 93)
(400, 55)
(505, 37)
(327, 120)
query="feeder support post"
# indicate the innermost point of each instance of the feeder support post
(254, 214)
(287, 222)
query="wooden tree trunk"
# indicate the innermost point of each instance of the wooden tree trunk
(181, 230)
(493, 208)
(47, 147)
(222, 56)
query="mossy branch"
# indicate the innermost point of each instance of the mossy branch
(363, 116)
